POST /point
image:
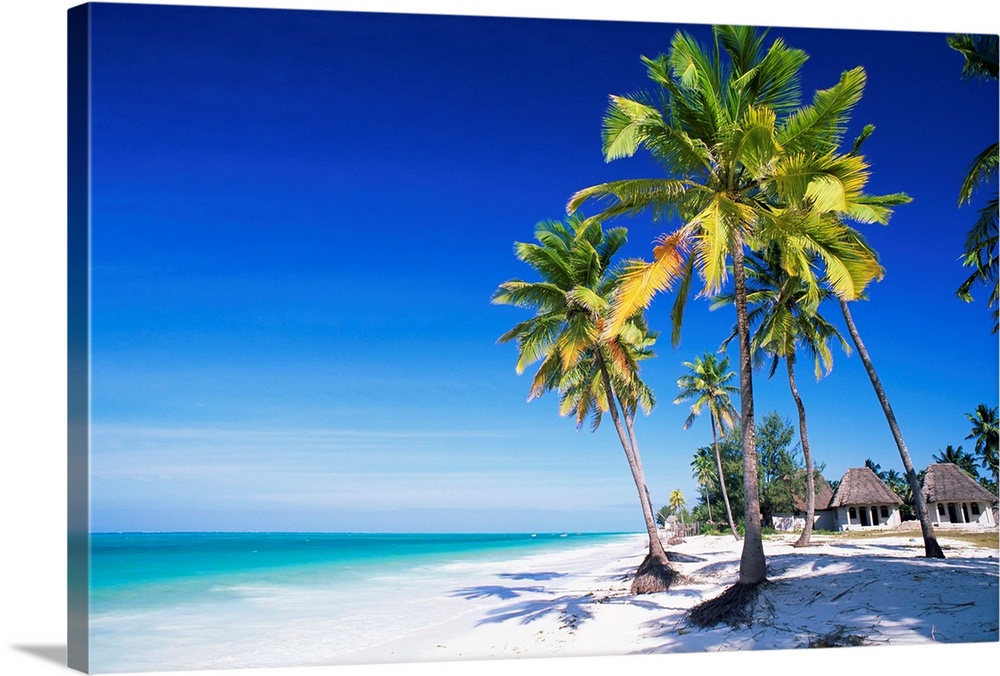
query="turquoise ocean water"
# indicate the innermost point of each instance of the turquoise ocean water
(202, 600)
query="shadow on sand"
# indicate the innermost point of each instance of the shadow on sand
(858, 600)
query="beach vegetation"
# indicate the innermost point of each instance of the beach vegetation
(986, 435)
(707, 385)
(980, 62)
(785, 319)
(704, 472)
(965, 460)
(746, 166)
(594, 371)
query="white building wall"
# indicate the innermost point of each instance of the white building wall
(852, 518)
(947, 513)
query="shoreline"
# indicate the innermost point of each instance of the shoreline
(870, 589)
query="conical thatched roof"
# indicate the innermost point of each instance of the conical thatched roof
(947, 482)
(824, 494)
(861, 486)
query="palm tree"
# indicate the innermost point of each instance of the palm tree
(875, 467)
(708, 386)
(746, 165)
(787, 320)
(931, 547)
(957, 456)
(980, 53)
(677, 503)
(986, 433)
(594, 372)
(704, 474)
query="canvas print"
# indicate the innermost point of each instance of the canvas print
(411, 338)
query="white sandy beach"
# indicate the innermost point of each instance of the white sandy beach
(838, 591)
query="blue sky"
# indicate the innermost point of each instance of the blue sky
(299, 219)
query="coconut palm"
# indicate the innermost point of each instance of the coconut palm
(677, 504)
(594, 372)
(980, 54)
(707, 385)
(745, 165)
(704, 473)
(786, 321)
(986, 433)
(957, 456)
(931, 547)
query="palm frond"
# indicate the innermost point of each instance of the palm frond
(641, 281)
(821, 126)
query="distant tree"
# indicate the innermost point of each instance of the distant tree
(707, 384)
(898, 485)
(986, 433)
(875, 467)
(957, 456)
(704, 473)
(779, 464)
(662, 515)
(677, 503)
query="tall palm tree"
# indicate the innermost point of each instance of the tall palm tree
(931, 547)
(786, 320)
(986, 433)
(594, 372)
(980, 54)
(707, 385)
(704, 474)
(957, 456)
(746, 165)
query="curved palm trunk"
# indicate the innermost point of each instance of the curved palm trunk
(654, 573)
(803, 540)
(722, 478)
(753, 565)
(931, 547)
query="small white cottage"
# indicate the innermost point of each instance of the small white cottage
(823, 518)
(862, 500)
(954, 497)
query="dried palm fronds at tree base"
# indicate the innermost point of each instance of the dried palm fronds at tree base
(653, 576)
(733, 607)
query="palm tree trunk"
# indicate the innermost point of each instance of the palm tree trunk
(753, 565)
(931, 547)
(634, 446)
(722, 478)
(807, 530)
(654, 573)
(708, 503)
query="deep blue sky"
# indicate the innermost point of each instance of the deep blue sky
(299, 218)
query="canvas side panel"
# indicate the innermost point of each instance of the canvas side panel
(78, 338)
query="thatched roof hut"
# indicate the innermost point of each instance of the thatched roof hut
(824, 495)
(947, 482)
(861, 486)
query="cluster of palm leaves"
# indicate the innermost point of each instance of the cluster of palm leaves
(749, 171)
(594, 373)
(980, 54)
